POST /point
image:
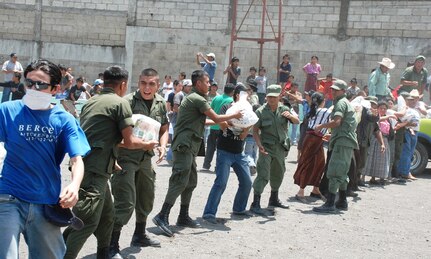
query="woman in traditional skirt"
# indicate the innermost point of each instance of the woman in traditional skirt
(312, 71)
(312, 160)
(378, 161)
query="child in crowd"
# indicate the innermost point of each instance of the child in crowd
(261, 81)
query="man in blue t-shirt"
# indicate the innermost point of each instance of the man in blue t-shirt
(36, 136)
(209, 65)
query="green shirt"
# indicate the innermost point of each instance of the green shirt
(157, 112)
(216, 105)
(103, 118)
(411, 75)
(345, 134)
(273, 126)
(189, 130)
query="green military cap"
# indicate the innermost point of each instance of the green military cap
(273, 90)
(339, 85)
(420, 57)
(372, 99)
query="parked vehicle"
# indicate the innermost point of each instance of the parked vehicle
(423, 148)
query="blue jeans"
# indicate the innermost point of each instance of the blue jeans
(6, 94)
(44, 240)
(250, 150)
(169, 155)
(239, 163)
(406, 157)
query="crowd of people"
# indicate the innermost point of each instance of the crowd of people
(250, 127)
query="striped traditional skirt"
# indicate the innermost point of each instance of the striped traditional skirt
(377, 164)
(312, 161)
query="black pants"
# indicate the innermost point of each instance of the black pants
(211, 147)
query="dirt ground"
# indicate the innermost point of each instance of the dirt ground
(391, 221)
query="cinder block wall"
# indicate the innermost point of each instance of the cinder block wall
(349, 39)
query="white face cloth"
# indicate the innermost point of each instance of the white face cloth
(37, 100)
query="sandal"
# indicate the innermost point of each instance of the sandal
(315, 195)
(374, 182)
(301, 198)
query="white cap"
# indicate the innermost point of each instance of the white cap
(211, 55)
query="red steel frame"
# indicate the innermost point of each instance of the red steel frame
(261, 40)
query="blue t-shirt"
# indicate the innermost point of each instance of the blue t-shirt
(209, 68)
(36, 142)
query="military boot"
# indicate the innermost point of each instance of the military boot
(274, 201)
(184, 219)
(342, 204)
(328, 207)
(141, 239)
(161, 220)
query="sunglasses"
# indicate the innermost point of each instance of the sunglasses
(38, 85)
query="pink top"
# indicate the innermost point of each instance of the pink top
(312, 69)
(384, 127)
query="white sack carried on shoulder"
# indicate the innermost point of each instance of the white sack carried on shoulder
(249, 118)
(401, 103)
(145, 127)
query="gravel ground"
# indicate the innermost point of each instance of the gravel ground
(390, 221)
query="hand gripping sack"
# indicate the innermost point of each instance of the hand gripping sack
(249, 118)
(145, 127)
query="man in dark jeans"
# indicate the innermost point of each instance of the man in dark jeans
(216, 105)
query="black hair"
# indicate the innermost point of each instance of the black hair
(317, 99)
(48, 68)
(234, 59)
(167, 76)
(114, 76)
(198, 75)
(229, 88)
(285, 56)
(349, 95)
(183, 74)
(80, 79)
(238, 89)
(253, 69)
(262, 69)
(62, 67)
(176, 82)
(294, 84)
(315, 57)
(380, 103)
(17, 75)
(13, 54)
(329, 75)
(150, 72)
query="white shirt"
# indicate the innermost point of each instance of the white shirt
(10, 66)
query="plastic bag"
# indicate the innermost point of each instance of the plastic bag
(145, 127)
(249, 118)
(359, 103)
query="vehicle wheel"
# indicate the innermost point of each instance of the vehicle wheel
(420, 159)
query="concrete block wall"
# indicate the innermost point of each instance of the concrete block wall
(86, 29)
(390, 18)
(166, 34)
(16, 24)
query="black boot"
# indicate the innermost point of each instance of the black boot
(341, 204)
(255, 206)
(114, 247)
(141, 239)
(184, 219)
(328, 207)
(161, 220)
(103, 253)
(274, 201)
